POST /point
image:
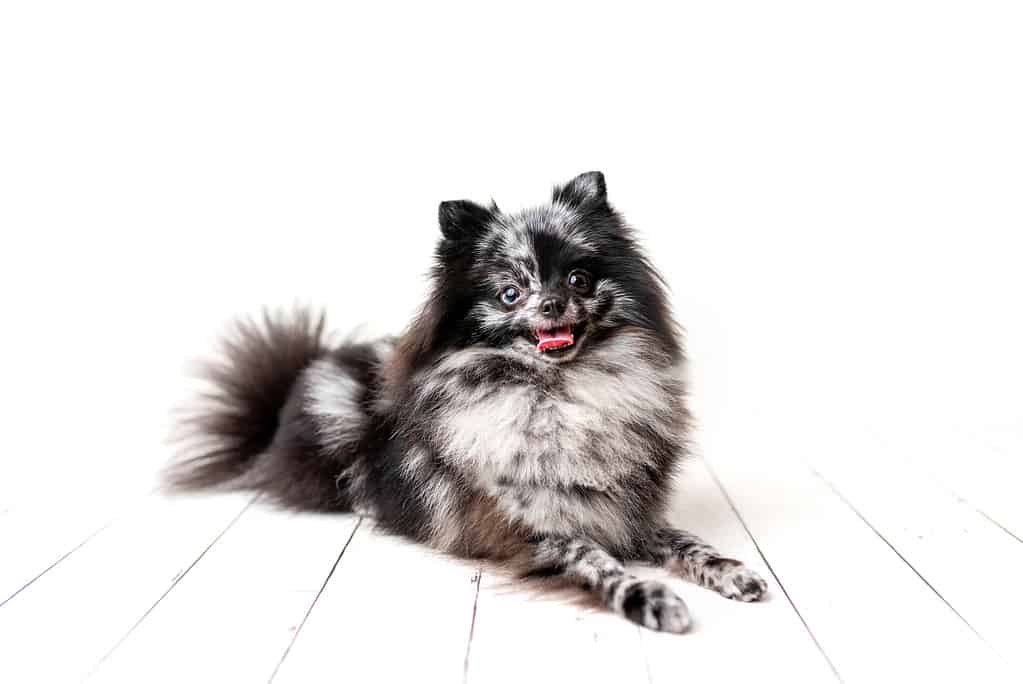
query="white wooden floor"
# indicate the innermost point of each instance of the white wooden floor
(890, 559)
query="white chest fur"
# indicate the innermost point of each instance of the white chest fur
(533, 446)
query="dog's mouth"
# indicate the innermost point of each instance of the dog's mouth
(556, 341)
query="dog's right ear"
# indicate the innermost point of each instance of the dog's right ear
(460, 219)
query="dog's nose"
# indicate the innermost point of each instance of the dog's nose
(552, 307)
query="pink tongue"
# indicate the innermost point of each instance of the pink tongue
(554, 339)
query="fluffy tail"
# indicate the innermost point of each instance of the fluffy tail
(239, 415)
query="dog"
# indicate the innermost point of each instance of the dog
(533, 412)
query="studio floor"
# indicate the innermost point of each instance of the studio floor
(890, 560)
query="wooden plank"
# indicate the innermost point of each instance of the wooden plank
(983, 470)
(521, 637)
(965, 557)
(980, 466)
(731, 641)
(234, 615)
(36, 538)
(391, 612)
(996, 492)
(871, 613)
(92, 600)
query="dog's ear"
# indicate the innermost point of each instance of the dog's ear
(586, 189)
(460, 219)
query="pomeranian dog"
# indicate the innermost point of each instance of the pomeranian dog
(533, 412)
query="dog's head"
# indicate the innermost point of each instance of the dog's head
(549, 281)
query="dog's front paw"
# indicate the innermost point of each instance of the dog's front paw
(655, 606)
(742, 584)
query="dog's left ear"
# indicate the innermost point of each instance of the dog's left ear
(461, 219)
(585, 189)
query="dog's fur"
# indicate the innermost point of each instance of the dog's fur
(462, 435)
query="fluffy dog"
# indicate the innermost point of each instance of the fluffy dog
(533, 412)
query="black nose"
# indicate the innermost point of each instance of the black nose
(552, 307)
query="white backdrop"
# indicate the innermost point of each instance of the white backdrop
(834, 193)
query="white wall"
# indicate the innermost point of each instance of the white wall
(834, 191)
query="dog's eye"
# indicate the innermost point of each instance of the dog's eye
(580, 281)
(510, 295)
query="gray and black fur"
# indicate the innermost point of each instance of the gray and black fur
(460, 434)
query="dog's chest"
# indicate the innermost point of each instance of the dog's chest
(557, 451)
(581, 431)
(537, 453)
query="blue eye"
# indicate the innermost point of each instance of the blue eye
(510, 295)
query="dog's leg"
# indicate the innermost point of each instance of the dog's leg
(699, 562)
(584, 563)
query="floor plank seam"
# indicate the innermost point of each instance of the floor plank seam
(326, 581)
(987, 517)
(894, 550)
(976, 438)
(174, 583)
(938, 482)
(60, 560)
(784, 591)
(92, 535)
(472, 625)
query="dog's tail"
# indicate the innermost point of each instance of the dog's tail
(280, 415)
